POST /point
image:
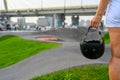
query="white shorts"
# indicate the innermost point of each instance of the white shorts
(113, 14)
(112, 22)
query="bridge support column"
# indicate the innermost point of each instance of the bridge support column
(75, 20)
(58, 19)
(4, 20)
(7, 20)
(21, 23)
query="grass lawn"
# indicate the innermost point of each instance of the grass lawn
(89, 72)
(14, 49)
(107, 38)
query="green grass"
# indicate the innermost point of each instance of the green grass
(90, 72)
(107, 38)
(14, 49)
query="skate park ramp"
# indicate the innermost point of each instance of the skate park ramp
(59, 34)
(69, 34)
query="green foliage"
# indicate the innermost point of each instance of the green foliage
(107, 38)
(78, 73)
(14, 49)
(68, 76)
(6, 37)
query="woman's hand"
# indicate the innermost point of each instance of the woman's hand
(94, 23)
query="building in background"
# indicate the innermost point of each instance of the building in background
(21, 22)
(42, 22)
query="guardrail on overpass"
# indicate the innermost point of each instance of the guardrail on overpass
(69, 10)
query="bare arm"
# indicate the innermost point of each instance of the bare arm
(100, 11)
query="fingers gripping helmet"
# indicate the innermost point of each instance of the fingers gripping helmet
(92, 49)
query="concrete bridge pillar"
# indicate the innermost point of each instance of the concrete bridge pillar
(6, 19)
(58, 19)
(75, 20)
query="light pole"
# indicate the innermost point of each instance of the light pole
(5, 5)
(1, 8)
(64, 12)
(41, 4)
(81, 4)
(64, 6)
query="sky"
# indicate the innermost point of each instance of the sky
(25, 4)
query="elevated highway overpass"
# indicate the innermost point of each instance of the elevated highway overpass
(57, 13)
(68, 10)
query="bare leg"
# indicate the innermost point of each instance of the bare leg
(114, 66)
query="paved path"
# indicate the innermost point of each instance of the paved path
(65, 56)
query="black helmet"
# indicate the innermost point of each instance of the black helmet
(92, 49)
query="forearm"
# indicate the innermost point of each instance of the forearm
(102, 7)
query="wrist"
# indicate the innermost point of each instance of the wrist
(99, 15)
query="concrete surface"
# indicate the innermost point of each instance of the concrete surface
(66, 56)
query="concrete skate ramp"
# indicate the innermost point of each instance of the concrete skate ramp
(70, 33)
